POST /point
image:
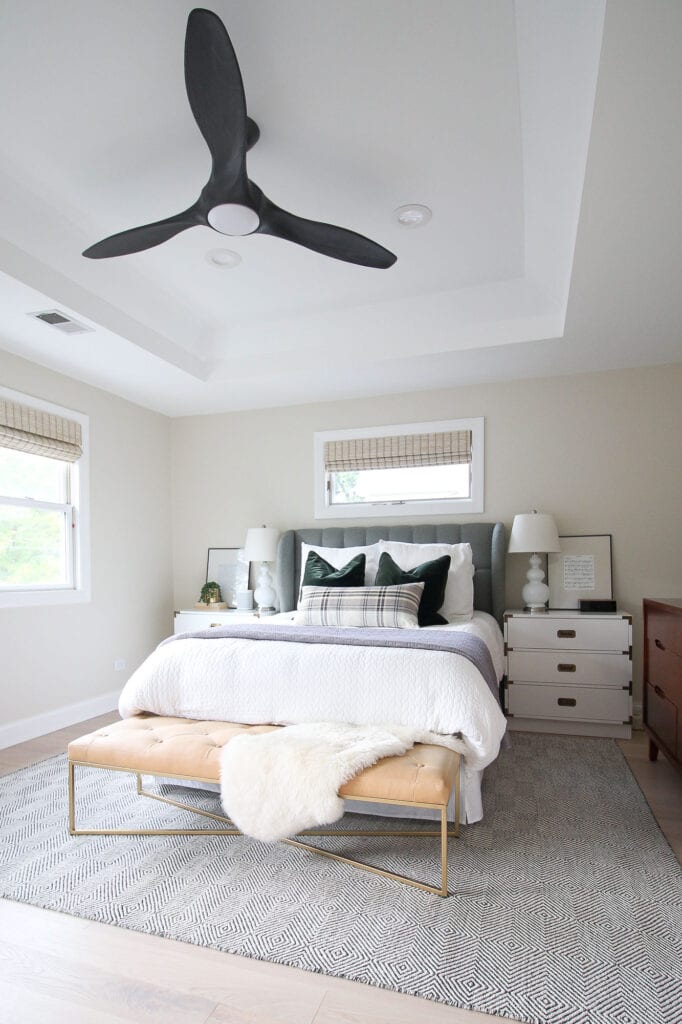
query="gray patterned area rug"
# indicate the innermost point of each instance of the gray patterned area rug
(565, 905)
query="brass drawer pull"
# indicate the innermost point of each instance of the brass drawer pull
(659, 692)
(213, 624)
(565, 668)
(566, 634)
(566, 702)
(660, 645)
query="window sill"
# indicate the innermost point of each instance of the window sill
(31, 598)
(387, 509)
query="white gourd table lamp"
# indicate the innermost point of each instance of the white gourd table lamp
(534, 533)
(261, 546)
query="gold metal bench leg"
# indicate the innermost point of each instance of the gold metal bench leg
(72, 800)
(144, 831)
(443, 832)
(442, 891)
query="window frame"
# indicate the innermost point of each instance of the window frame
(77, 590)
(387, 509)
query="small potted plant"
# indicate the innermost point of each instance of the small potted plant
(210, 593)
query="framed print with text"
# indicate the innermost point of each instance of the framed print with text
(582, 569)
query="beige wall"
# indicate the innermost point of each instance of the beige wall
(602, 451)
(51, 656)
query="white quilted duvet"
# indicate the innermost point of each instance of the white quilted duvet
(238, 680)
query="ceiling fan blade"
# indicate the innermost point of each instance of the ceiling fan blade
(327, 239)
(137, 239)
(216, 92)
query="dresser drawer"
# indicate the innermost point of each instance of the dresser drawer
(572, 668)
(573, 703)
(568, 634)
(665, 630)
(665, 671)
(662, 717)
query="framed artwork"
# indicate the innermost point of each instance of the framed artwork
(582, 569)
(230, 570)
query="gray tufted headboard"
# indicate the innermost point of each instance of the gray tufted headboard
(488, 544)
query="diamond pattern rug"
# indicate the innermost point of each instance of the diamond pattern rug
(565, 905)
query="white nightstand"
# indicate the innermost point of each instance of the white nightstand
(191, 620)
(569, 673)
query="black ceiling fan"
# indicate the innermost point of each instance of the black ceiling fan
(230, 202)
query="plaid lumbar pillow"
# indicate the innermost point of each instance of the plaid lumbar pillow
(396, 607)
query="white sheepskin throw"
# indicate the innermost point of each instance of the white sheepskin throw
(274, 785)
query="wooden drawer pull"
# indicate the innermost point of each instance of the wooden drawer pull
(659, 692)
(565, 668)
(660, 645)
(566, 702)
(566, 634)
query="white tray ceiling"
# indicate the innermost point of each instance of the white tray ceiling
(480, 110)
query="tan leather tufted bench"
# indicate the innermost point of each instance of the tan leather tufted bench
(185, 749)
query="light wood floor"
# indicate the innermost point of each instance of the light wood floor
(68, 971)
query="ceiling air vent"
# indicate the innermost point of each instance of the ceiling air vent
(61, 321)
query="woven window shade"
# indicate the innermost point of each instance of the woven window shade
(41, 433)
(401, 451)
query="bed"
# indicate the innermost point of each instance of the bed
(290, 676)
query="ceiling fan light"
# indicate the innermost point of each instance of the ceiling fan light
(233, 219)
(413, 215)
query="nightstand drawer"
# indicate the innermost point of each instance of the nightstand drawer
(573, 668)
(195, 621)
(578, 633)
(574, 703)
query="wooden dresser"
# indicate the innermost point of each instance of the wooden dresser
(663, 677)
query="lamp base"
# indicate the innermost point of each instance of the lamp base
(535, 593)
(265, 594)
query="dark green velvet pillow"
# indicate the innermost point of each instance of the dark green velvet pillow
(319, 572)
(434, 576)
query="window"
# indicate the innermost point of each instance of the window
(43, 509)
(414, 469)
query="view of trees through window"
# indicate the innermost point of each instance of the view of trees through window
(33, 537)
(419, 483)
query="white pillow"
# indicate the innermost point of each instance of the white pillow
(338, 557)
(458, 605)
(385, 607)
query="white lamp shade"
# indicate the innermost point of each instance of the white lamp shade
(261, 544)
(534, 531)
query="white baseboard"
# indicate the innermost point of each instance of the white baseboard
(38, 725)
(567, 727)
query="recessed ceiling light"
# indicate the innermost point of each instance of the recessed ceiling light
(223, 258)
(414, 215)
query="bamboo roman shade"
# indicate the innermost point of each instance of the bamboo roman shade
(400, 451)
(41, 433)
